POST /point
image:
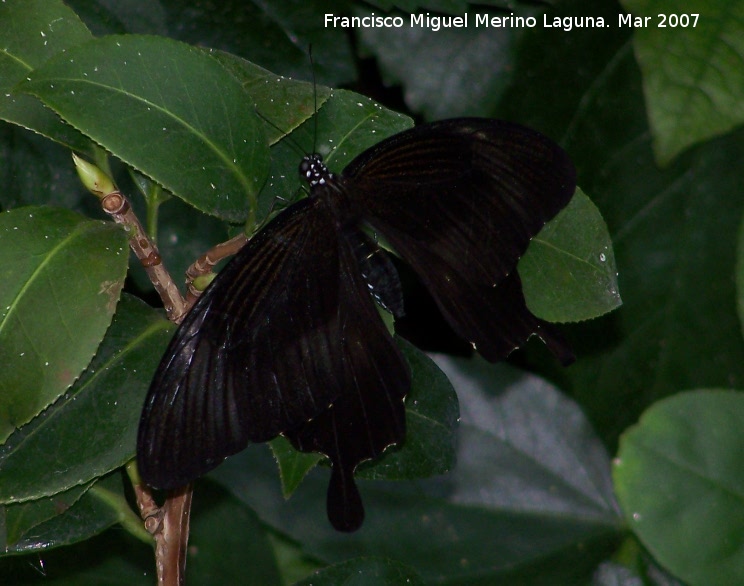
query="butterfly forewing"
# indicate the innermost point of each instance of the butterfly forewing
(262, 351)
(459, 201)
(473, 190)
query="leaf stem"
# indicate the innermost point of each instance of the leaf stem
(154, 199)
(127, 518)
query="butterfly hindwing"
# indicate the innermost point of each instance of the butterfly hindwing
(371, 416)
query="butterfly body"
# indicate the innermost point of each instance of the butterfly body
(287, 338)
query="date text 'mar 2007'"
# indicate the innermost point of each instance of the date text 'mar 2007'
(664, 20)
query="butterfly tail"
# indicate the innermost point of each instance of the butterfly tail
(344, 503)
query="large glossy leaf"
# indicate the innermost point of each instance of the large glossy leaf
(169, 110)
(681, 485)
(68, 517)
(282, 102)
(31, 32)
(675, 235)
(283, 105)
(692, 58)
(20, 522)
(114, 558)
(530, 495)
(60, 279)
(569, 272)
(523, 432)
(92, 429)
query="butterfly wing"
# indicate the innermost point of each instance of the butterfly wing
(371, 416)
(459, 201)
(271, 343)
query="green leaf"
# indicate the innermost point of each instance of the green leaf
(60, 279)
(169, 110)
(92, 429)
(568, 272)
(680, 482)
(293, 464)
(227, 543)
(294, 563)
(348, 124)
(693, 69)
(34, 31)
(674, 231)
(20, 521)
(364, 572)
(114, 559)
(283, 103)
(520, 431)
(66, 518)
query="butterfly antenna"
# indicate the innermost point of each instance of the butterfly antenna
(315, 98)
(283, 132)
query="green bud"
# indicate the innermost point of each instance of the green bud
(202, 281)
(95, 180)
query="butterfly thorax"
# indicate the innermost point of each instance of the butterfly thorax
(314, 171)
(329, 191)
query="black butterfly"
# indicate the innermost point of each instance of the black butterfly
(287, 338)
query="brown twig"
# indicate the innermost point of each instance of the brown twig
(169, 524)
(118, 207)
(206, 262)
(169, 527)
